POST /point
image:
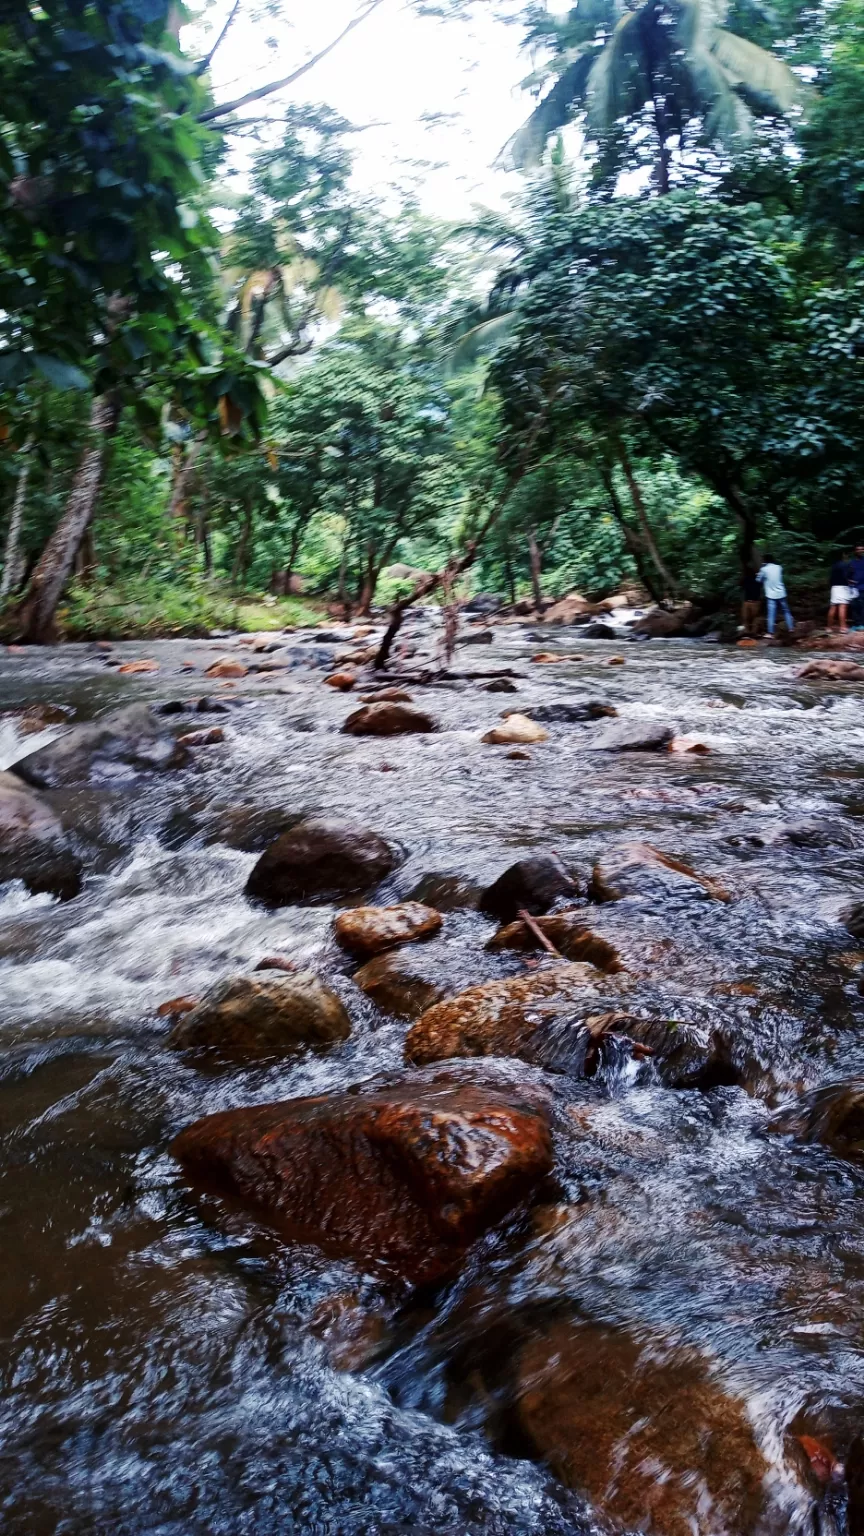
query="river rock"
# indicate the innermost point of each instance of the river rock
(133, 740)
(532, 885)
(134, 667)
(319, 860)
(644, 1431)
(501, 685)
(634, 736)
(640, 869)
(257, 1018)
(833, 1116)
(599, 631)
(661, 623)
(227, 666)
(841, 671)
(567, 609)
(478, 637)
(387, 696)
(342, 681)
(403, 982)
(853, 919)
(387, 719)
(33, 846)
(402, 1175)
(370, 930)
(530, 1017)
(570, 935)
(447, 893)
(33, 718)
(516, 730)
(573, 714)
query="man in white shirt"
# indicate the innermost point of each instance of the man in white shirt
(771, 577)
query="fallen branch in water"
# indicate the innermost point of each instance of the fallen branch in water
(538, 933)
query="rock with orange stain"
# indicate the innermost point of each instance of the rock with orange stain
(689, 744)
(746, 643)
(133, 667)
(343, 681)
(176, 1007)
(640, 869)
(531, 1017)
(366, 931)
(258, 1018)
(206, 738)
(403, 1175)
(387, 719)
(402, 982)
(568, 932)
(227, 667)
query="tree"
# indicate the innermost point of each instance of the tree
(662, 67)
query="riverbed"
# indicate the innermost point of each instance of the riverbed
(170, 1364)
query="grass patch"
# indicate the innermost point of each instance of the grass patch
(152, 610)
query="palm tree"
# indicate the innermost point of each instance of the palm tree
(670, 61)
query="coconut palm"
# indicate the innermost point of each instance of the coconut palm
(671, 62)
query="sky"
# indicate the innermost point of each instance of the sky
(396, 72)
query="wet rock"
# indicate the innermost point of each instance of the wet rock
(133, 667)
(573, 714)
(175, 1007)
(661, 623)
(209, 737)
(367, 931)
(640, 869)
(387, 696)
(37, 717)
(404, 1174)
(447, 893)
(248, 828)
(634, 736)
(128, 741)
(352, 1334)
(226, 667)
(567, 609)
(484, 602)
(840, 671)
(321, 859)
(685, 1055)
(343, 681)
(33, 846)
(599, 631)
(247, 1019)
(530, 1017)
(501, 685)
(479, 637)
(387, 719)
(403, 982)
(853, 920)
(532, 885)
(277, 963)
(685, 744)
(516, 730)
(548, 658)
(833, 1116)
(570, 935)
(643, 1430)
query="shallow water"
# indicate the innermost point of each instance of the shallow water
(163, 1370)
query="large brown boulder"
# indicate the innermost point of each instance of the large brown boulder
(367, 931)
(569, 934)
(403, 1174)
(33, 846)
(134, 740)
(531, 1017)
(532, 884)
(257, 1018)
(640, 869)
(661, 623)
(646, 1432)
(403, 982)
(321, 859)
(568, 608)
(387, 718)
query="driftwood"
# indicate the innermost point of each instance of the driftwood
(538, 933)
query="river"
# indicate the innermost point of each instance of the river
(696, 1279)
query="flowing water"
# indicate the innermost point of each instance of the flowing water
(694, 1279)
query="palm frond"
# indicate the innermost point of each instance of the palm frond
(479, 342)
(725, 115)
(613, 72)
(758, 75)
(526, 147)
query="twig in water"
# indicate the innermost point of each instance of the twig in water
(538, 933)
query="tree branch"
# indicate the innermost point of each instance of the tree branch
(208, 58)
(279, 85)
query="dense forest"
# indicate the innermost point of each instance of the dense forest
(230, 387)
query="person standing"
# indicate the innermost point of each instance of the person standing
(842, 593)
(856, 612)
(751, 605)
(771, 577)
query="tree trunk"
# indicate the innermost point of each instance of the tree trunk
(508, 572)
(632, 541)
(241, 555)
(644, 526)
(535, 560)
(34, 616)
(85, 560)
(184, 457)
(12, 562)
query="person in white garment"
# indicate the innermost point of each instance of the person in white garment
(771, 577)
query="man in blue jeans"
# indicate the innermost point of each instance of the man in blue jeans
(771, 577)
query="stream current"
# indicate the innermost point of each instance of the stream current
(165, 1366)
